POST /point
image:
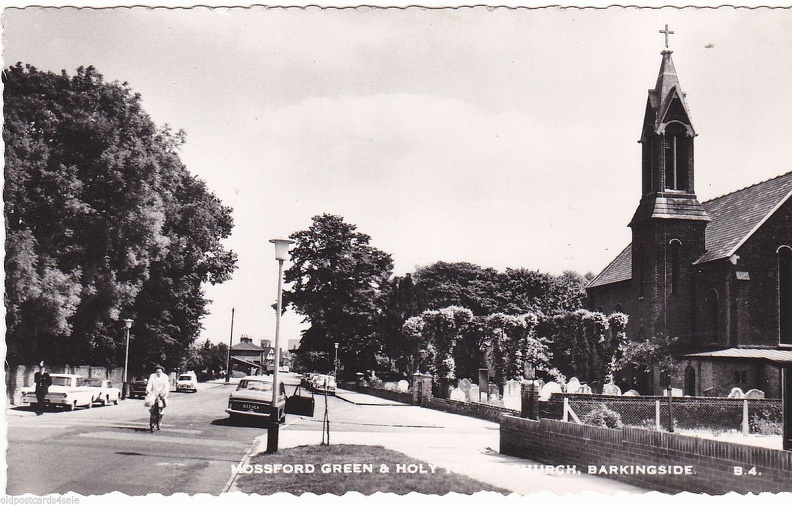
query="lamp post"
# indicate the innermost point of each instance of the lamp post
(530, 372)
(281, 255)
(335, 362)
(125, 385)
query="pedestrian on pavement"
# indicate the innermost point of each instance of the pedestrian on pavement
(158, 384)
(43, 381)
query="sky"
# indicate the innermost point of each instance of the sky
(505, 138)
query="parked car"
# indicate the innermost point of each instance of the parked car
(253, 397)
(104, 392)
(187, 382)
(137, 387)
(67, 391)
(324, 384)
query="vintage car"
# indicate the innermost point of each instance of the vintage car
(67, 391)
(253, 397)
(187, 382)
(104, 392)
(137, 387)
(324, 384)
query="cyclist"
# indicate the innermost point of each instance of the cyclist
(158, 387)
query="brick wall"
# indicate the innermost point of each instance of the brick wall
(380, 393)
(712, 462)
(478, 410)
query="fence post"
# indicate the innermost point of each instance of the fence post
(657, 415)
(786, 407)
(745, 428)
(670, 411)
(566, 409)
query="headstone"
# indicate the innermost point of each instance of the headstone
(631, 392)
(403, 386)
(572, 385)
(548, 390)
(475, 394)
(584, 389)
(512, 396)
(675, 392)
(494, 394)
(465, 386)
(755, 394)
(457, 395)
(736, 393)
(611, 389)
(390, 386)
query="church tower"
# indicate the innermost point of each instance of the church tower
(669, 225)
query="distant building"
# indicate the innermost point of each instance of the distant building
(250, 358)
(715, 275)
(294, 344)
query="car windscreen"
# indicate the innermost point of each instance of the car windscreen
(254, 386)
(61, 381)
(185, 378)
(97, 383)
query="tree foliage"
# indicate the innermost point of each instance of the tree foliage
(337, 284)
(102, 222)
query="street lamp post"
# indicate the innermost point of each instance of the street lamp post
(230, 341)
(335, 362)
(125, 385)
(281, 255)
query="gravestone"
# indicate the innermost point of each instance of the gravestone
(465, 386)
(675, 392)
(457, 395)
(584, 389)
(494, 393)
(548, 390)
(475, 394)
(573, 385)
(736, 393)
(755, 394)
(631, 392)
(611, 389)
(390, 386)
(512, 397)
(403, 386)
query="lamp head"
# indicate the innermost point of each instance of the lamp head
(282, 248)
(128, 323)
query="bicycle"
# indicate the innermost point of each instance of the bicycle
(156, 413)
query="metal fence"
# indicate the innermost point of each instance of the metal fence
(688, 413)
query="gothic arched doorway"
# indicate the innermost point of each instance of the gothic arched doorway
(690, 381)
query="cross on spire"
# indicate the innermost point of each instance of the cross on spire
(667, 32)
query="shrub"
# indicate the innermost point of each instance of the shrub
(603, 417)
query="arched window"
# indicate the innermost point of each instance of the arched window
(675, 146)
(785, 295)
(641, 270)
(675, 247)
(711, 316)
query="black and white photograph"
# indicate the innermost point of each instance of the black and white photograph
(318, 253)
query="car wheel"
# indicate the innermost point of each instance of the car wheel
(72, 405)
(115, 402)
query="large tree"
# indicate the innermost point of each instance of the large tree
(102, 222)
(337, 284)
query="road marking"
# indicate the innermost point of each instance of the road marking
(165, 439)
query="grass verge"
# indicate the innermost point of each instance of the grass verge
(371, 477)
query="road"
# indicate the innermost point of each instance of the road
(105, 449)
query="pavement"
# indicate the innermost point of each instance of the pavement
(461, 444)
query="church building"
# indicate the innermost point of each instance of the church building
(715, 276)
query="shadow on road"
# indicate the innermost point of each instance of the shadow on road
(241, 423)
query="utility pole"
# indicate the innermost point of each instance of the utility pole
(230, 341)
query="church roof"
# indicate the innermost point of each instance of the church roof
(772, 355)
(666, 89)
(734, 219)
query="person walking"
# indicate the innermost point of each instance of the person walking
(43, 381)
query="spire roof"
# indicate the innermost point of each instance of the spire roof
(666, 90)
